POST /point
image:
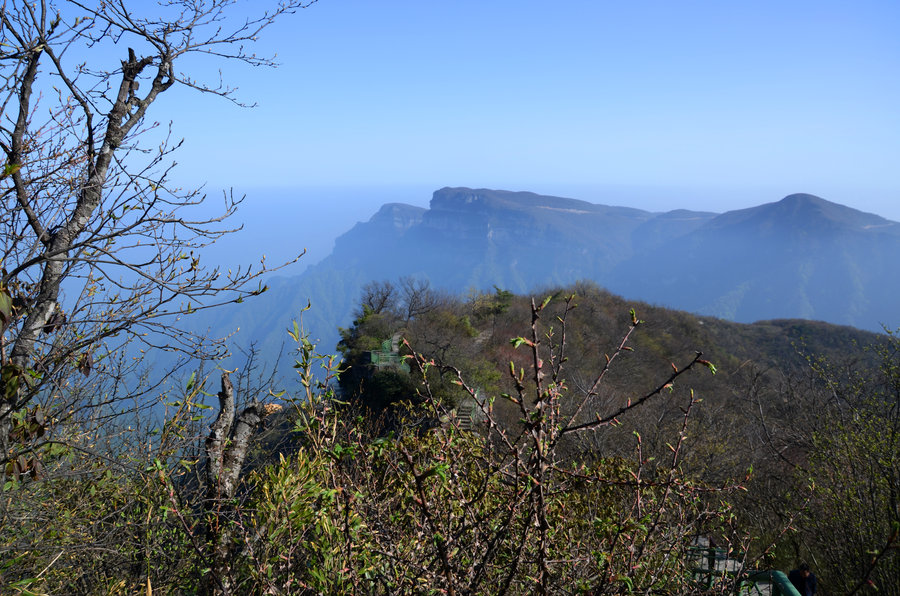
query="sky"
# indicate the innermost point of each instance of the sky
(654, 104)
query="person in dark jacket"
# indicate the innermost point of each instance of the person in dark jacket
(804, 580)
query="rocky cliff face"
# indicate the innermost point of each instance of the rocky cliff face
(382, 232)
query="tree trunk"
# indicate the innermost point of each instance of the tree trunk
(226, 449)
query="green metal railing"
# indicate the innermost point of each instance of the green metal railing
(712, 567)
(388, 356)
(779, 584)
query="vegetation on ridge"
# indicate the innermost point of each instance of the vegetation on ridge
(567, 486)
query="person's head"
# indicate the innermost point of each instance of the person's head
(804, 569)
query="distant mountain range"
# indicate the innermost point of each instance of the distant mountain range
(800, 257)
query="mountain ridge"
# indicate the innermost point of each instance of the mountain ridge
(798, 258)
(788, 212)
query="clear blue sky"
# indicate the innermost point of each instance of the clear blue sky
(659, 104)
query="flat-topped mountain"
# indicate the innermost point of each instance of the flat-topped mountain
(516, 240)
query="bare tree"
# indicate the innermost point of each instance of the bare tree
(417, 297)
(379, 296)
(96, 243)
